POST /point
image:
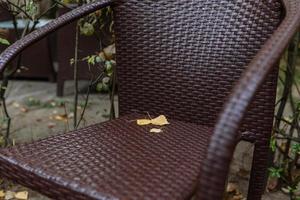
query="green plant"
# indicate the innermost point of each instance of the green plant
(26, 9)
(285, 142)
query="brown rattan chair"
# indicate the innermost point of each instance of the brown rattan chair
(180, 58)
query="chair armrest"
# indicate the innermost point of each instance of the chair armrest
(13, 50)
(223, 141)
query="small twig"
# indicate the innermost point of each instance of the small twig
(66, 114)
(76, 76)
(112, 95)
(20, 9)
(85, 104)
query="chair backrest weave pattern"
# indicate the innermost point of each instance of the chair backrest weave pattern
(182, 58)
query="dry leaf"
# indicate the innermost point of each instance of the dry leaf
(155, 130)
(24, 110)
(110, 51)
(70, 115)
(231, 187)
(16, 105)
(237, 197)
(160, 120)
(142, 122)
(272, 184)
(22, 195)
(2, 193)
(61, 117)
(9, 195)
(285, 190)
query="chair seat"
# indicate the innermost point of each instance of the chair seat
(112, 160)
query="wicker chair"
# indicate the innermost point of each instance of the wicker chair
(184, 59)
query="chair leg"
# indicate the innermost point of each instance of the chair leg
(258, 179)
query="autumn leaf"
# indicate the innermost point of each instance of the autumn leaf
(2, 194)
(143, 122)
(155, 130)
(9, 195)
(24, 110)
(231, 187)
(61, 117)
(159, 121)
(22, 195)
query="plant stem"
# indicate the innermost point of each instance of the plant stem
(76, 76)
(112, 95)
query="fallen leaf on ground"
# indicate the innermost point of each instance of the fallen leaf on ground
(16, 105)
(237, 197)
(61, 117)
(231, 187)
(9, 195)
(70, 115)
(155, 130)
(272, 184)
(232, 192)
(22, 195)
(24, 110)
(2, 194)
(159, 121)
(285, 190)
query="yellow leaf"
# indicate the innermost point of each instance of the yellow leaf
(2, 194)
(160, 120)
(22, 195)
(142, 122)
(61, 117)
(9, 195)
(155, 130)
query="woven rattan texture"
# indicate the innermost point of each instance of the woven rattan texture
(216, 165)
(181, 58)
(114, 160)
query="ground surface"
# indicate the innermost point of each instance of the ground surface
(37, 113)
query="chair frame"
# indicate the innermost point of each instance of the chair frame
(215, 169)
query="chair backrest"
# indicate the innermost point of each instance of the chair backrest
(181, 58)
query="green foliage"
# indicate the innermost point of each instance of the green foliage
(31, 8)
(286, 137)
(273, 144)
(30, 102)
(4, 41)
(296, 148)
(87, 29)
(275, 172)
